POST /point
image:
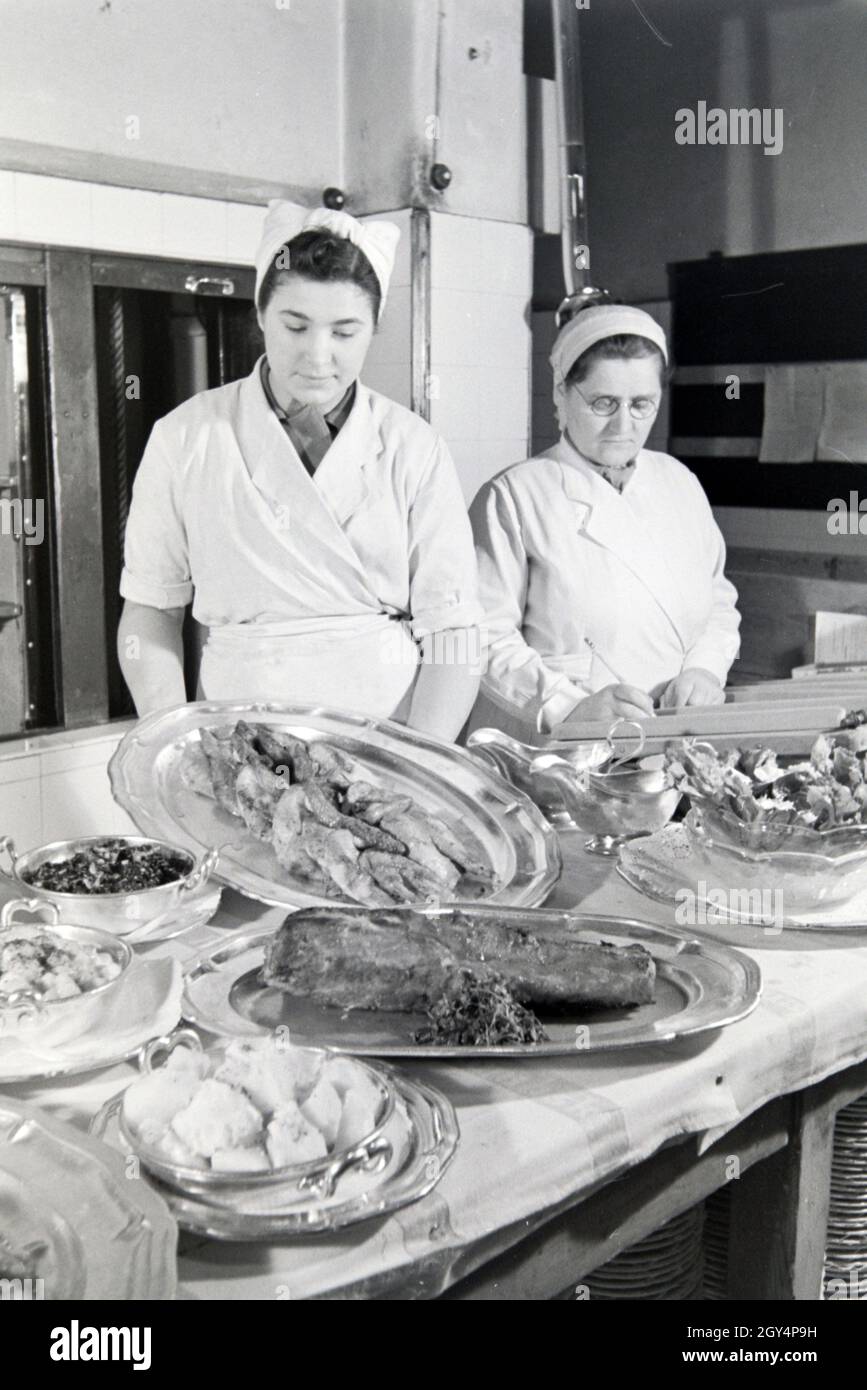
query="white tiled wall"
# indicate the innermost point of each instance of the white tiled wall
(56, 787)
(481, 286)
(134, 221)
(73, 212)
(389, 363)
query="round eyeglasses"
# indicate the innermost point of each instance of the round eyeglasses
(640, 408)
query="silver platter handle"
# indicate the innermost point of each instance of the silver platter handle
(31, 906)
(369, 1157)
(103, 1118)
(23, 1006)
(163, 1047)
(619, 732)
(7, 847)
(18, 1009)
(201, 873)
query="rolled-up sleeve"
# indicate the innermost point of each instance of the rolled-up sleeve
(442, 562)
(156, 569)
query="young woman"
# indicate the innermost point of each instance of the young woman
(318, 527)
(600, 563)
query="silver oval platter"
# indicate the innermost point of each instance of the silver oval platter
(519, 846)
(67, 1198)
(700, 986)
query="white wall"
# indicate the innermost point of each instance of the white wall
(216, 85)
(56, 786)
(250, 99)
(388, 367)
(481, 286)
(439, 83)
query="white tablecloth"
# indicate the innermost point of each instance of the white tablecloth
(536, 1134)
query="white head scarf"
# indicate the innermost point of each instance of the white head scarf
(592, 326)
(284, 220)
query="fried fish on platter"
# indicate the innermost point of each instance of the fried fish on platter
(401, 961)
(284, 750)
(410, 828)
(289, 814)
(287, 839)
(195, 770)
(332, 766)
(465, 854)
(336, 854)
(310, 851)
(327, 813)
(372, 803)
(223, 770)
(286, 790)
(404, 880)
(257, 791)
(302, 762)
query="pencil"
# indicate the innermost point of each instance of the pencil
(596, 652)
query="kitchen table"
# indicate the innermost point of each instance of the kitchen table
(564, 1162)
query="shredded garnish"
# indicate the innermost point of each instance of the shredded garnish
(111, 866)
(477, 1012)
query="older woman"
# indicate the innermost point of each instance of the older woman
(318, 527)
(601, 566)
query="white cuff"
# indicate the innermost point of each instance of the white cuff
(558, 705)
(709, 658)
(152, 595)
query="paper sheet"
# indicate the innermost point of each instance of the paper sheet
(840, 638)
(843, 435)
(793, 413)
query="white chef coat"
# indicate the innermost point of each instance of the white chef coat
(314, 590)
(564, 557)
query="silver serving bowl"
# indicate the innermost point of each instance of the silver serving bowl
(25, 1014)
(807, 868)
(615, 805)
(514, 761)
(119, 913)
(371, 1152)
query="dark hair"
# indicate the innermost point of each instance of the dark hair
(319, 255)
(618, 346)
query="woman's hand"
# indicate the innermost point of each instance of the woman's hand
(614, 702)
(694, 686)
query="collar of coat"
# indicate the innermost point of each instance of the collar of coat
(619, 523)
(339, 482)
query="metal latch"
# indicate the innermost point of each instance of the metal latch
(209, 284)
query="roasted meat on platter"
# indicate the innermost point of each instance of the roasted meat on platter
(330, 827)
(405, 961)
